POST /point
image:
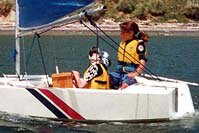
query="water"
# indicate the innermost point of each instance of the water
(172, 57)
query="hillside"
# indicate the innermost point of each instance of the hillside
(153, 10)
(140, 10)
(152, 15)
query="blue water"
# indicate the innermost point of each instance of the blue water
(169, 56)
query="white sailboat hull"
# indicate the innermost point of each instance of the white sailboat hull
(140, 102)
(148, 100)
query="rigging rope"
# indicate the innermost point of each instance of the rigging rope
(36, 36)
(44, 66)
(29, 54)
(147, 70)
(94, 25)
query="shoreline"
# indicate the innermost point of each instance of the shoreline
(112, 28)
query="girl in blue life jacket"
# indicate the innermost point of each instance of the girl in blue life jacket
(131, 56)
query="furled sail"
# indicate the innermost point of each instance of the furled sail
(37, 13)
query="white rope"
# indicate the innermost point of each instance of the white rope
(172, 80)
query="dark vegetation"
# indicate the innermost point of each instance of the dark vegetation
(6, 6)
(153, 10)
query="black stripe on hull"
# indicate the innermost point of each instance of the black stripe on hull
(46, 103)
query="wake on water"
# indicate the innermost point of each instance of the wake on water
(19, 123)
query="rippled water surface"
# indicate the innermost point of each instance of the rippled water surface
(172, 57)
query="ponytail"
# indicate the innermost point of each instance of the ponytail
(143, 36)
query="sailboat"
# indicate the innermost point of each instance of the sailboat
(31, 95)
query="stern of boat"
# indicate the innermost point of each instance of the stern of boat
(184, 102)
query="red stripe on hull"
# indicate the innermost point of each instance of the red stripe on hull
(61, 104)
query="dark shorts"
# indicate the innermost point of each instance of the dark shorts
(118, 78)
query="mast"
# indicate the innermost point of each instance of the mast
(17, 41)
(27, 24)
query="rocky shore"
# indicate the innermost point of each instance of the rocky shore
(7, 26)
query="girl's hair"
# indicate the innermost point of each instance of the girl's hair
(132, 26)
(143, 36)
(129, 26)
(94, 49)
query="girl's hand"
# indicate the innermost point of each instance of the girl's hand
(132, 74)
